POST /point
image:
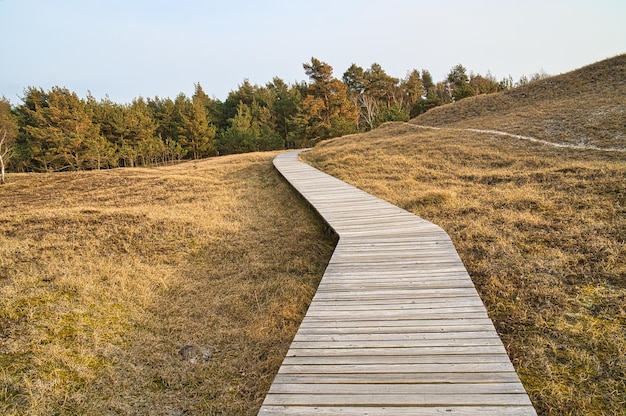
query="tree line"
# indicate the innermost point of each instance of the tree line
(56, 130)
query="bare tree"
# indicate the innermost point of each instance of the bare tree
(369, 109)
(6, 150)
(8, 134)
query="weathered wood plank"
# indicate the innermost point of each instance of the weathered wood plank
(415, 323)
(397, 411)
(398, 378)
(390, 341)
(395, 329)
(404, 400)
(396, 326)
(378, 388)
(437, 338)
(433, 306)
(387, 316)
(389, 356)
(411, 370)
(423, 303)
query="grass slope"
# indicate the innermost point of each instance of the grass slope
(105, 276)
(582, 107)
(541, 229)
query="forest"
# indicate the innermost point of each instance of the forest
(56, 130)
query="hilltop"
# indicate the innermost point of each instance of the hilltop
(585, 106)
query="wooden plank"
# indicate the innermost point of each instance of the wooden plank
(399, 378)
(393, 356)
(404, 400)
(350, 308)
(411, 370)
(414, 323)
(397, 411)
(437, 338)
(395, 329)
(411, 293)
(393, 315)
(395, 303)
(396, 326)
(377, 388)
(426, 304)
(394, 345)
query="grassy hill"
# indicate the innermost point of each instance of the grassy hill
(105, 276)
(541, 229)
(582, 107)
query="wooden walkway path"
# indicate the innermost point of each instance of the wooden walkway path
(396, 326)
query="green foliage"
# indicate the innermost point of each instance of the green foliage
(195, 132)
(484, 84)
(459, 83)
(249, 131)
(284, 109)
(56, 127)
(425, 104)
(101, 153)
(413, 88)
(57, 130)
(394, 113)
(326, 108)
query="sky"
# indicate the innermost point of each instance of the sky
(124, 49)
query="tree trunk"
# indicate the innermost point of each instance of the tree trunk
(2, 181)
(2, 154)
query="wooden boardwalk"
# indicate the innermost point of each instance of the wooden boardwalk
(396, 326)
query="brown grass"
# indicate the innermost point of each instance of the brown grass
(582, 107)
(542, 231)
(105, 276)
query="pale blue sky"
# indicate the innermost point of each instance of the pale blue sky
(131, 48)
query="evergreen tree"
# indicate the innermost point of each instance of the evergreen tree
(195, 135)
(239, 137)
(379, 85)
(168, 123)
(394, 113)
(354, 78)
(56, 127)
(245, 94)
(249, 131)
(483, 84)
(100, 154)
(137, 126)
(413, 91)
(32, 140)
(459, 83)
(431, 99)
(326, 107)
(284, 109)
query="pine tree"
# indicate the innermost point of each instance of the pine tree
(284, 109)
(198, 135)
(56, 127)
(413, 91)
(137, 126)
(326, 108)
(459, 83)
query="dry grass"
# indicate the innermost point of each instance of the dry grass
(582, 107)
(105, 276)
(542, 232)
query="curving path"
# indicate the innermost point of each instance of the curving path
(396, 326)
(528, 138)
